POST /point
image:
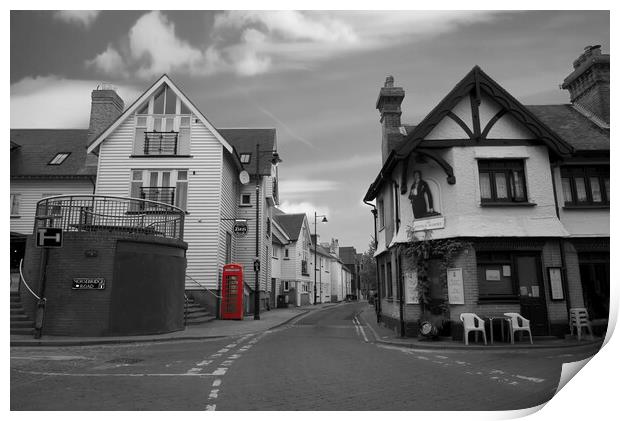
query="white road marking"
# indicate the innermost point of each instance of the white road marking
(227, 362)
(530, 379)
(220, 371)
(213, 394)
(45, 373)
(194, 370)
(234, 357)
(441, 357)
(420, 357)
(210, 407)
(203, 363)
(217, 382)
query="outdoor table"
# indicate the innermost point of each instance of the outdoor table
(501, 318)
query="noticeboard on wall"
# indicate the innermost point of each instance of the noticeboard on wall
(456, 293)
(555, 284)
(411, 287)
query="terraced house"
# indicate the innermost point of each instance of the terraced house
(162, 148)
(522, 192)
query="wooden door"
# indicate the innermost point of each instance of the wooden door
(531, 293)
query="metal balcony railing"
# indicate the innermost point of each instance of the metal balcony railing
(161, 143)
(95, 213)
(157, 194)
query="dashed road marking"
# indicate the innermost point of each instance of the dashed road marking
(530, 379)
(217, 382)
(213, 394)
(210, 407)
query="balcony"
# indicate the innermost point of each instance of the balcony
(157, 194)
(304, 268)
(161, 143)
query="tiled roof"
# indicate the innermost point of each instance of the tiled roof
(291, 224)
(245, 140)
(572, 126)
(37, 147)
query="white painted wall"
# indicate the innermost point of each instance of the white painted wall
(202, 224)
(30, 191)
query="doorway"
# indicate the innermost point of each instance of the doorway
(531, 292)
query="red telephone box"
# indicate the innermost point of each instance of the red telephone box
(232, 292)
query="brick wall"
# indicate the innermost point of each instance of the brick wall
(83, 312)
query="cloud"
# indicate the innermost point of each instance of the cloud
(251, 43)
(304, 207)
(83, 18)
(56, 102)
(109, 62)
(297, 187)
(338, 165)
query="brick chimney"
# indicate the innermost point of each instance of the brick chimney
(388, 105)
(334, 248)
(588, 84)
(105, 107)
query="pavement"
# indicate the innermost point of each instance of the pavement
(213, 329)
(382, 334)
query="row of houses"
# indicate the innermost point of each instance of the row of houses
(162, 148)
(491, 206)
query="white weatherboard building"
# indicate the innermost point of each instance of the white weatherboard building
(163, 148)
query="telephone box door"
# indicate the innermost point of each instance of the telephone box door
(232, 292)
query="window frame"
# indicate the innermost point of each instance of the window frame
(507, 167)
(497, 258)
(173, 180)
(587, 172)
(249, 203)
(59, 158)
(381, 212)
(245, 157)
(15, 202)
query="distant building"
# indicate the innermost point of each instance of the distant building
(352, 259)
(523, 189)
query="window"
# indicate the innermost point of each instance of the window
(502, 181)
(246, 199)
(162, 125)
(381, 214)
(382, 280)
(388, 279)
(275, 252)
(14, 204)
(167, 186)
(245, 158)
(585, 186)
(286, 253)
(496, 278)
(285, 286)
(268, 227)
(59, 158)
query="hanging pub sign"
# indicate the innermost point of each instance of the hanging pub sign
(425, 216)
(240, 228)
(88, 283)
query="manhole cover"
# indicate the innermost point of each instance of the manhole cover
(124, 361)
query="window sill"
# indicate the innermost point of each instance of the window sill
(161, 156)
(499, 300)
(573, 207)
(502, 204)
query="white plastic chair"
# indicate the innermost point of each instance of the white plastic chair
(472, 323)
(579, 319)
(518, 323)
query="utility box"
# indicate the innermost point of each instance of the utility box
(232, 292)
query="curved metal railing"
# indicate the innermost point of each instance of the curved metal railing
(21, 276)
(98, 213)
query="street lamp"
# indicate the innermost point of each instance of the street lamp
(275, 160)
(315, 241)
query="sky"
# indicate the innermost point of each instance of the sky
(313, 75)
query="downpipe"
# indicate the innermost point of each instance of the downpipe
(378, 300)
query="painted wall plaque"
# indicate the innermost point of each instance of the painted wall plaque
(456, 293)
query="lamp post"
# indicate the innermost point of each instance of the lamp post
(315, 241)
(275, 160)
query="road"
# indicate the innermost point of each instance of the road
(326, 360)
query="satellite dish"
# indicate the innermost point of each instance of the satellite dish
(244, 177)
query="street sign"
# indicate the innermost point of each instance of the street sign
(88, 283)
(240, 228)
(256, 265)
(49, 237)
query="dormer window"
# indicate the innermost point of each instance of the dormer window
(59, 158)
(162, 125)
(245, 158)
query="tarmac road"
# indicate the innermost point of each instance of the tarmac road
(326, 360)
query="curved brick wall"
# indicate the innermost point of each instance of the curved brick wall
(144, 284)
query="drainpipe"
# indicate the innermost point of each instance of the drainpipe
(562, 245)
(378, 302)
